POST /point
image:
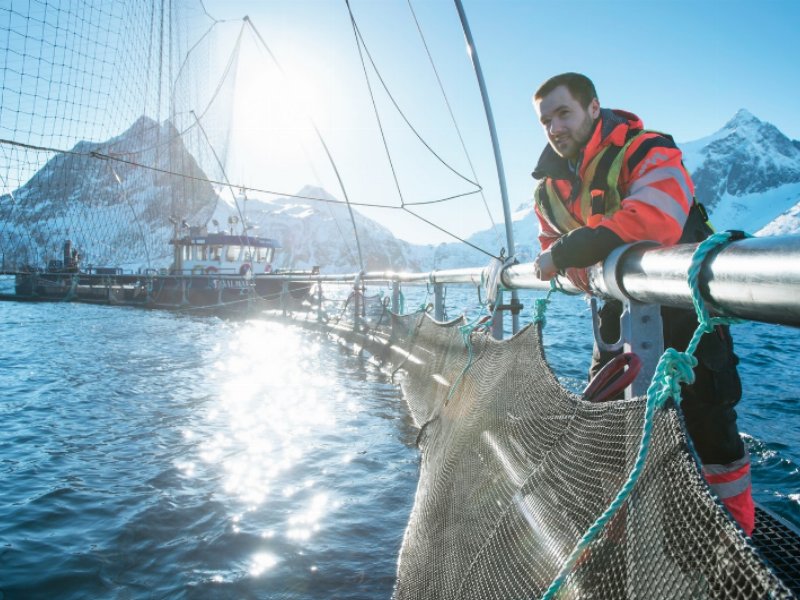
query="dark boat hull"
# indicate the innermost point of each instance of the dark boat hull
(202, 293)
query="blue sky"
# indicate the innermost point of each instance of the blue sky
(684, 67)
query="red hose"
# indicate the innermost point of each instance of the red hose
(613, 378)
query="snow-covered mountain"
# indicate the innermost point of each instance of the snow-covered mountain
(113, 211)
(747, 174)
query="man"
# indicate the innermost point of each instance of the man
(604, 182)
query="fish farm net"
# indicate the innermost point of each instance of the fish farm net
(515, 469)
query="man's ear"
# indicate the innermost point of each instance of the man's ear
(594, 108)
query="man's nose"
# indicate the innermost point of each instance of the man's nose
(555, 127)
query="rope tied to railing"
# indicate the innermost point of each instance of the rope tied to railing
(540, 304)
(674, 369)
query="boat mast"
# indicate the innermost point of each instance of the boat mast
(498, 159)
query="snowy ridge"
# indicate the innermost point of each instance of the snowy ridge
(115, 213)
(745, 158)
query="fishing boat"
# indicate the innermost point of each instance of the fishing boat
(212, 272)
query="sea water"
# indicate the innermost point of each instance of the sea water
(148, 454)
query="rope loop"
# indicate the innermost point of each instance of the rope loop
(674, 368)
(704, 249)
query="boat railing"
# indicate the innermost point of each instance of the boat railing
(754, 278)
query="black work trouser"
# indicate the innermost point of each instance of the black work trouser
(708, 404)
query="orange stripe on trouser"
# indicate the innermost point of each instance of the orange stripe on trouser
(731, 483)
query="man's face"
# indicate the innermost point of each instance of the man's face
(568, 125)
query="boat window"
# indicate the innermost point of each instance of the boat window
(215, 253)
(270, 254)
(262, 255)
(233, 253)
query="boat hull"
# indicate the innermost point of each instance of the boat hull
(201, 293)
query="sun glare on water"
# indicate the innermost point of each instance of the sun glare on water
(273, 403)
(270, 407)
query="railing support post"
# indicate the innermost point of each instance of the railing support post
(497, 320)
(438, 301)
(396, 297)
(357, 302)
(643, 334)
(319, 301)
(284, 296)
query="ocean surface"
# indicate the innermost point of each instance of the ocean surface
(147, 454)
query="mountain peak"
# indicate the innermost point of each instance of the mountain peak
(742, 117)
(311, 191)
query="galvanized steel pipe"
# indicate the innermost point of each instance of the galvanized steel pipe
(753, 278)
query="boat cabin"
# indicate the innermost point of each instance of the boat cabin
(202, 253)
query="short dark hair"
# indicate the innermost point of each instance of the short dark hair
(580, 86)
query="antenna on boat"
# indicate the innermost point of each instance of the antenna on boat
(498, 159)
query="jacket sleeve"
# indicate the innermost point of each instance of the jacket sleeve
(583, 247)
(657, 192)
(547, 235)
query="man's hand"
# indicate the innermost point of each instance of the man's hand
(544, 267)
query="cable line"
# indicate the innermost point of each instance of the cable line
(359, 42)
(399, 110)
(453, 119)
(450, 233)
(404, 205)
(224, 174)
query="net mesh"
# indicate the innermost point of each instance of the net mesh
(113, 118)
(515, 469)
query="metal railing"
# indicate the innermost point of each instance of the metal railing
(753, 278)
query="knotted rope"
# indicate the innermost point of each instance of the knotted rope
(674, 368)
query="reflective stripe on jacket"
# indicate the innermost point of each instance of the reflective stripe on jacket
(629, 180)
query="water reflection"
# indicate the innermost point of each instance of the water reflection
(271, 404)
(271, 407)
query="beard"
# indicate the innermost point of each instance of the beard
(569, 144)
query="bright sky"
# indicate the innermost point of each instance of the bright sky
(685, 67)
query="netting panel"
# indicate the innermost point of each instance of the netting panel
(108, 112)
(515, 469)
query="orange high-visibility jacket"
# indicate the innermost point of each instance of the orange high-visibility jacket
(654, 189)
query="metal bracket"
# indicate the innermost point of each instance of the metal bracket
(641, 328)
(641, 332)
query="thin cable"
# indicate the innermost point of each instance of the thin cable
(359, 42)
(438, 200)
(450, 233)
(399, 110)
(133, 212)
(224, 174)
(233, 58)
(453, 118)
(117, 158)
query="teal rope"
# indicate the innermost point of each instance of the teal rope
(540, 304)
(699, 257)
(466, 332)
(673, 369)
